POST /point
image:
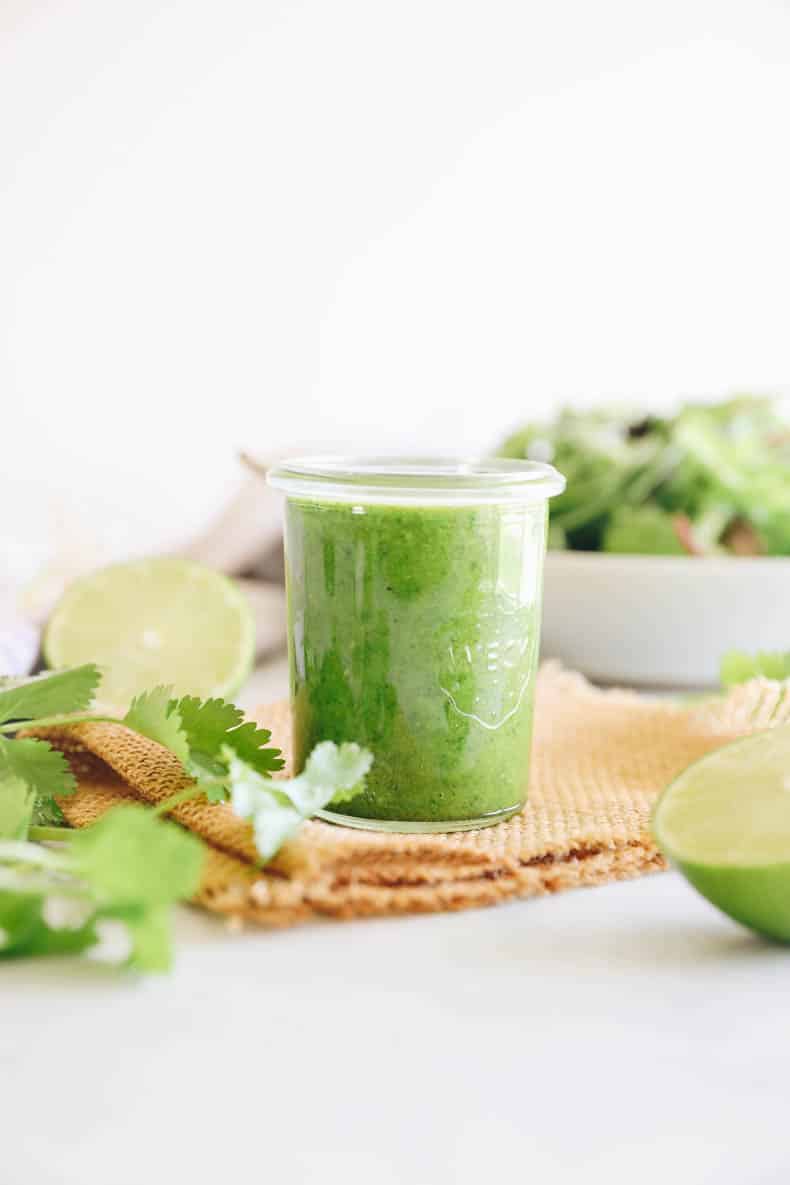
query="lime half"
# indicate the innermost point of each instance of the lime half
(155, 621)
(725, 823)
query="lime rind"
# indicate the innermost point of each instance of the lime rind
(724, 822)
(756, 897)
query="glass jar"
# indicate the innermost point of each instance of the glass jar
(414, 602)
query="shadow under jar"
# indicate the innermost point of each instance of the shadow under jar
(414, 602)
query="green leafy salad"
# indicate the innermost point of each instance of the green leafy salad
(713, 479)
(108, 888)
(737, 667)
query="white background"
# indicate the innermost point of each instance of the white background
(267, 224)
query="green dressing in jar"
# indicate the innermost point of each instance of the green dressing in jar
(414, 596)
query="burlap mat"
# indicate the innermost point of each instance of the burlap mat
(600, 758)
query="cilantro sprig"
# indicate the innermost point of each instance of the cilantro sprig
(51, 698)
(54, 693)
(201, 733)
(126, 869)
(130, 866)
(333, 773)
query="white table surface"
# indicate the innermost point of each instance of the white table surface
(626, 1034)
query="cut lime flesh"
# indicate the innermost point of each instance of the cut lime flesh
(151, 622)
(725, 823)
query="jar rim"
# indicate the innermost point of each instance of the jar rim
(395, 480)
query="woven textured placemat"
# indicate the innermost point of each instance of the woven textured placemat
(599, 760)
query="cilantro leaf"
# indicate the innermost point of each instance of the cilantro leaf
(249, 742)
(151, 942)
(33, 880)
(333, 773)
(20, 916)
(129, 857)
(127, 869)
(210, 724)
(273, 816)
(155, 715)
(207, 722)
(277, 809)
(47, 813)
(737, 667)
(24, 929)
(196, 731)
(44, 769)
(16, 807)
(50, 694)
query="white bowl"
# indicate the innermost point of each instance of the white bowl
(661, 621)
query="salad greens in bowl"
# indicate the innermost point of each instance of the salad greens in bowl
(671, 541)
(712, 479)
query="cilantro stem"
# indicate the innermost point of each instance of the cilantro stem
(54, 721)
(50, 834)
(176, 799)
(193, 790)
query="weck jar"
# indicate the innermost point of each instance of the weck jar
(414, 602)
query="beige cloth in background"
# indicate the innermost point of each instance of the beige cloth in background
(599, 760)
